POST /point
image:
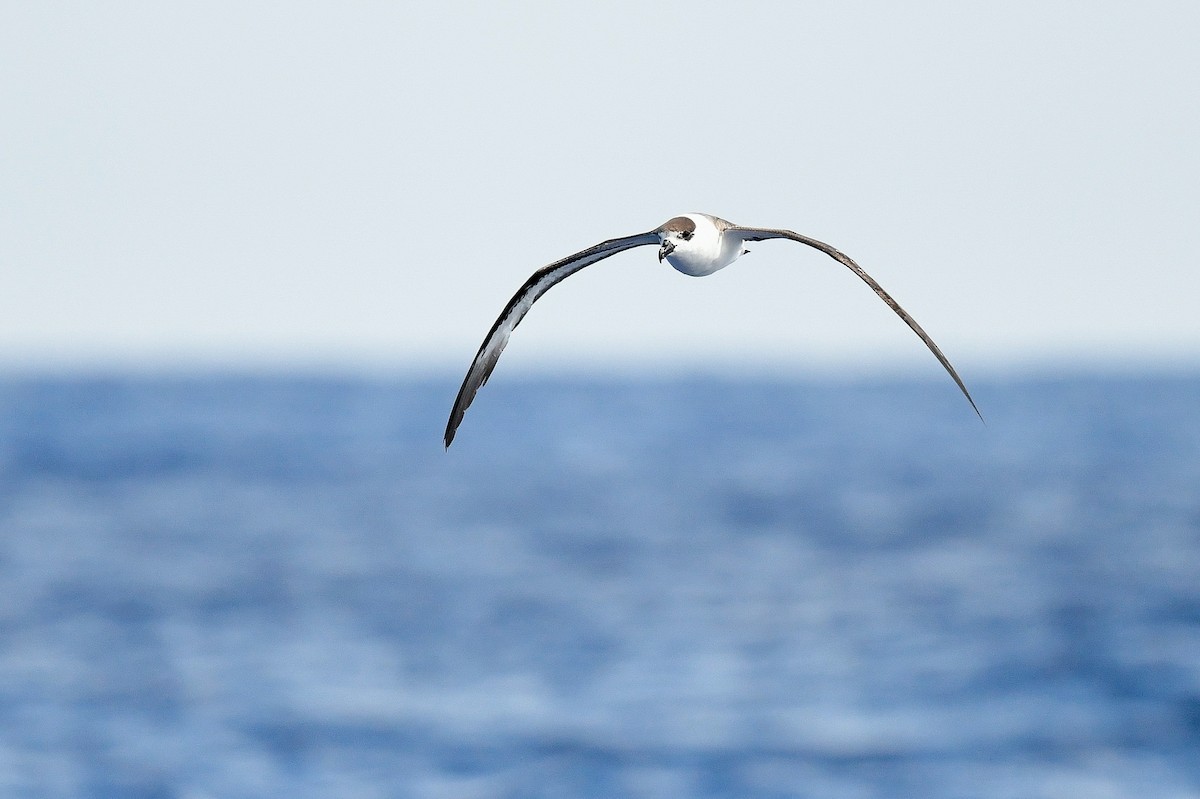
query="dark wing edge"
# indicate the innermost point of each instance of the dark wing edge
(538, 284)
(759, 234)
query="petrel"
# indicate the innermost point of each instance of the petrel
(695, 244)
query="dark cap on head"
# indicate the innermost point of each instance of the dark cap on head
(679, 223)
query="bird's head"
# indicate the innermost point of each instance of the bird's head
(674, 233)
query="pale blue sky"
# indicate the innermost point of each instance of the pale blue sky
(368, 183)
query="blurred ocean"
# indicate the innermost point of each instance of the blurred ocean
(283, 587)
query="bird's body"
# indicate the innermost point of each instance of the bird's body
(694, 244)
(710, 244)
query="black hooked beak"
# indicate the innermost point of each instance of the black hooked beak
(666, 249)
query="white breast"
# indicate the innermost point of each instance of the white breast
(707, 250)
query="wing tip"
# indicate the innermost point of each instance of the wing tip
(974, 407)
(451, 428)
(963, 388)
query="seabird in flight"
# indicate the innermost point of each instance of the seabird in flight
(695, 244)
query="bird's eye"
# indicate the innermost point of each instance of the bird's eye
(685, 235)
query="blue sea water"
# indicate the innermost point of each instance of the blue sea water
(231, 586)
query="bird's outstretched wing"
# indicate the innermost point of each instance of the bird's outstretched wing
(759, 234)
(537, 285)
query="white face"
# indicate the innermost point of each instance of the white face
(675, 235)
(678, 237)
